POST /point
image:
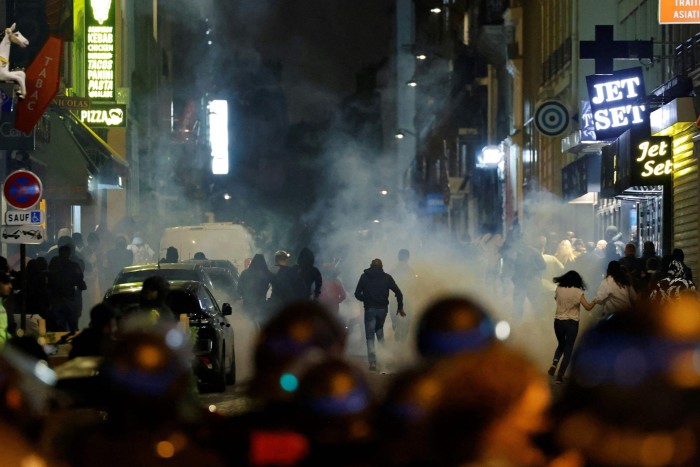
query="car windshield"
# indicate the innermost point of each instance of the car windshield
(167, 274)
(222, 279)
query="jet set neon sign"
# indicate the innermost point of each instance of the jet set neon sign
(653, 161)
(617, 101)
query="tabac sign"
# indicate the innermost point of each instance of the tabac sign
(652, 162)
(618, 102)
(104, 115)
(100, 43)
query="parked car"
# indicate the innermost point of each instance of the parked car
(215, 362)
(225, 284)
(215, 263)
(168, 271)
(232, 241)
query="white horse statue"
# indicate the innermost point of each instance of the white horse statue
(5, 74)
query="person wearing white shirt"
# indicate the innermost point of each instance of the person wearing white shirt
(615, 292)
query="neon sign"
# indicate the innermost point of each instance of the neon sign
(617, 102)
(653, 160)
(105, 115)
(100, 50)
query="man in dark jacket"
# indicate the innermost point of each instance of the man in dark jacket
(373, 291)
(65, 284)
(310, 275)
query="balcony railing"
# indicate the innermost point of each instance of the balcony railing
(557, 60)
(687, 56)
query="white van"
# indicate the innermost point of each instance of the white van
(217, 240)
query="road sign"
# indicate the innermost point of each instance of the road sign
(22, 189)
(23, 217)
(27, 234)
(552, 118)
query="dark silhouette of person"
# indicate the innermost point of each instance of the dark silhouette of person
(149, 402)
(199, 256)
(99, 336)
(65, 283)
(373, 291)
(152, 308)
(287, 283)
(452, 325)
(633, 265)
(171, 255)
(253, 285)
(290, 340)
(310, 275)
(37, 290)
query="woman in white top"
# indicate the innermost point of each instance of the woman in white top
(615, 292)
(569, 297)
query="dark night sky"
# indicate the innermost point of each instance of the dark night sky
(321, 44)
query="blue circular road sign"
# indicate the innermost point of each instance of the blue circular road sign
(22, 189)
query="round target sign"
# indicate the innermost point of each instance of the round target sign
(552, 118)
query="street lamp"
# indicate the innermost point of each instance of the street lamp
(411, 83)
(421, 56)
(435, 10)
(491, 156)
(401, 133)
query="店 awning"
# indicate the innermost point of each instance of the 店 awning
(73, 155)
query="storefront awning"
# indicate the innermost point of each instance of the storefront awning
(96, 151)
(74, 159)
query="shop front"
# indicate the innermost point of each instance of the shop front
(636, 189)
(676, 120)
(80, 173)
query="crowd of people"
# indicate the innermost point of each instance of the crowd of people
(621, 394)
(469, 399)
(61, 282)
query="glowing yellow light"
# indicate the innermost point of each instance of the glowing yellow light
(165, 449)
(149, 356)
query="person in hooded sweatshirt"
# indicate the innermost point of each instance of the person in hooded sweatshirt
(373, 291)
(309, 274)
(673, 285)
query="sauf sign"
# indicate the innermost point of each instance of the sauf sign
(653, 160)
(617, 102)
